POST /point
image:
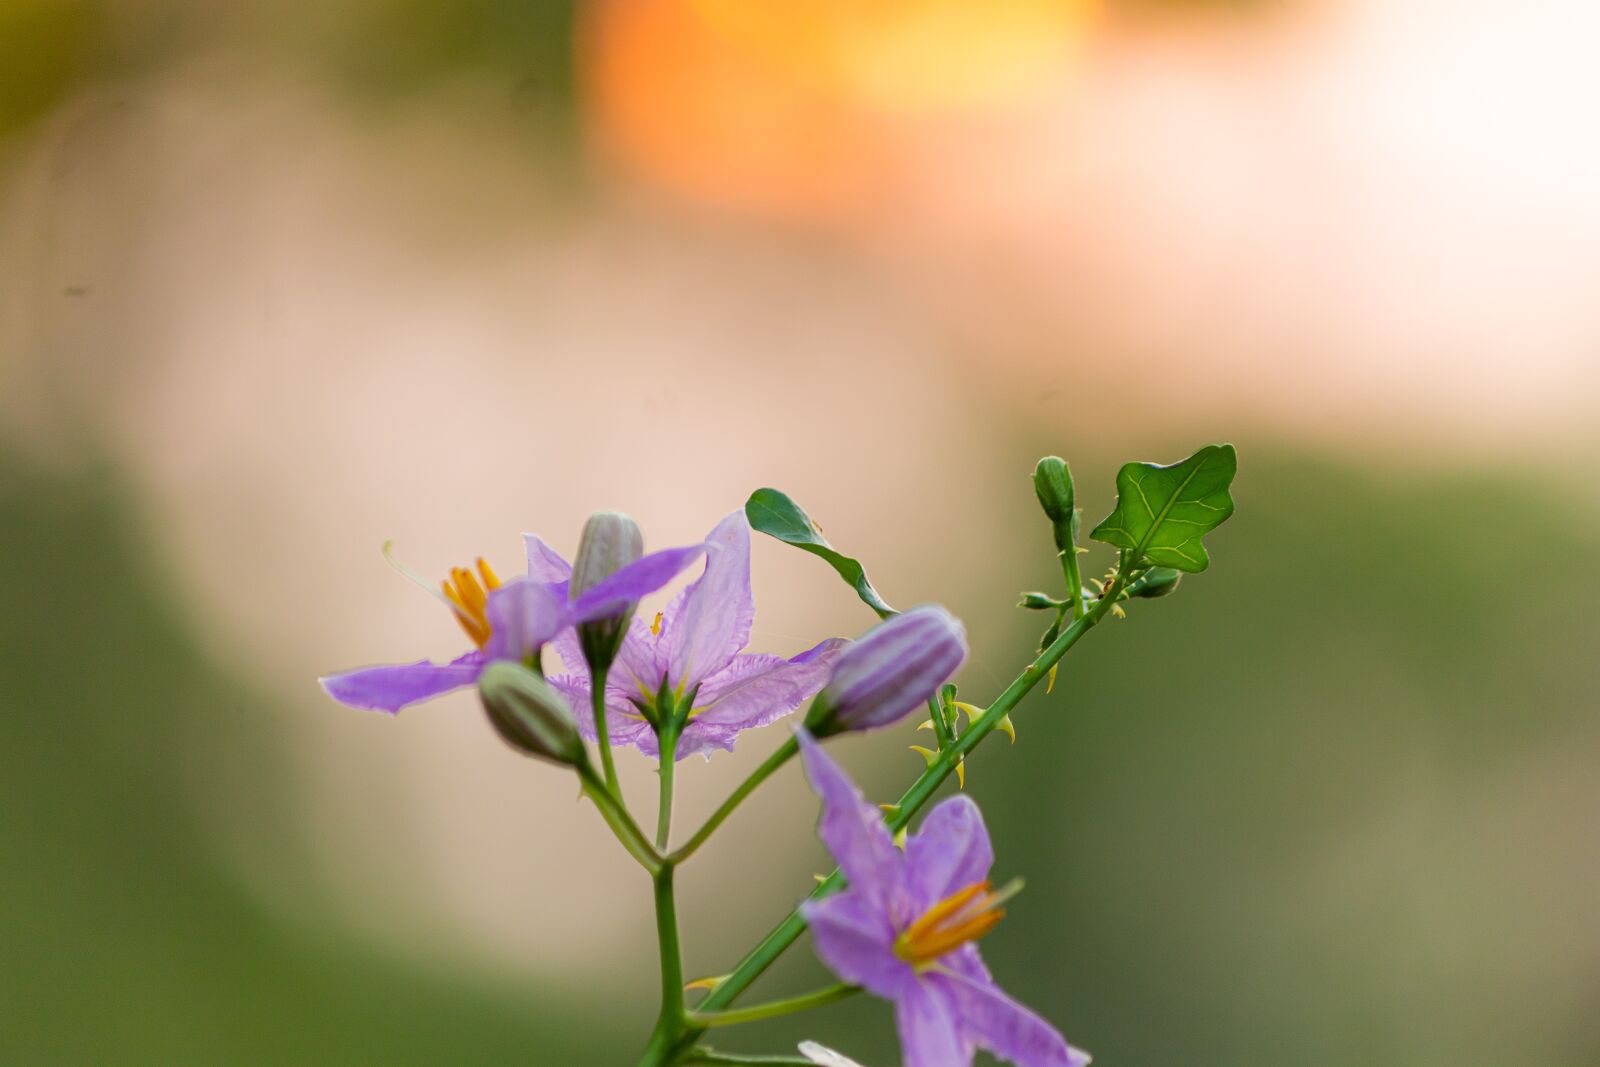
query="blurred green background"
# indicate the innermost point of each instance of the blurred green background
(290, 280)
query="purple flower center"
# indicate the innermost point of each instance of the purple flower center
(469, 598)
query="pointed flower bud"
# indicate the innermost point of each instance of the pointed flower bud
(528, 713)
(1052, 482)
(889, 672)
(610, 541)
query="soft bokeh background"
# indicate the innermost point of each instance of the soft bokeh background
(282, 280)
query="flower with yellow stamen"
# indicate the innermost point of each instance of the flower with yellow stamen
(510, 621)
(906, 924)
(470, 599)
(962, 917)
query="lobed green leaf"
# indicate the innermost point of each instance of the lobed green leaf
(1163, 512)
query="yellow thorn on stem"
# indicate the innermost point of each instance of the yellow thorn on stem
(1049, 683)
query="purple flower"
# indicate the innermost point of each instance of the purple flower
(891, 670)
(509, 621)
(693, 647)
(905, 926)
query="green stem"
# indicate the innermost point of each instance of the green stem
(669, 1023)
(735, 1059)
(668, 736)
(1069, 569)
(619, 820)
(941, 725)
(597, 691)
(790, 929)
(774, 1008)
(784, 754)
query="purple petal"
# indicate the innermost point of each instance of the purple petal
(544, 564)
(757, 690)
(852, 829)
(702, 739)
(523, 615)
(710, 623)
(1001, 1025)
(928, 1035)
(628, 586)
(753, 691)
(856, 941)
(950, 851)
(624, 724)
(570, 650)
(641, 671)
(395, 686)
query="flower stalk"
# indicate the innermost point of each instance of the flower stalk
(770, 766)
(602, 735)
(787, 932)
(617, 818)
(772, 1009)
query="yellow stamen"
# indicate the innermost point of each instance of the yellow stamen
(469, 598)
(655, 627)
(964, 916)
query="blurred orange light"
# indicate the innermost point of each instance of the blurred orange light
(793, 106)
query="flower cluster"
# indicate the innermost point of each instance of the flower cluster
(902, 915)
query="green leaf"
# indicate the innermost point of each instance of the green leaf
(774, 514)
(1163, 512)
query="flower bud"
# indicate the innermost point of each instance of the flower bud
(528, 713)
(1039, 602)
(892, 670)
(610, 541)
(1156, 582)
(1052, 483)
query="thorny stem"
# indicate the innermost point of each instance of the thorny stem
(790, 929)
(941, 725)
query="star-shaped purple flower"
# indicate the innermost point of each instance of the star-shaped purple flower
(905, 926)
(696, 646)
(509, 621)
